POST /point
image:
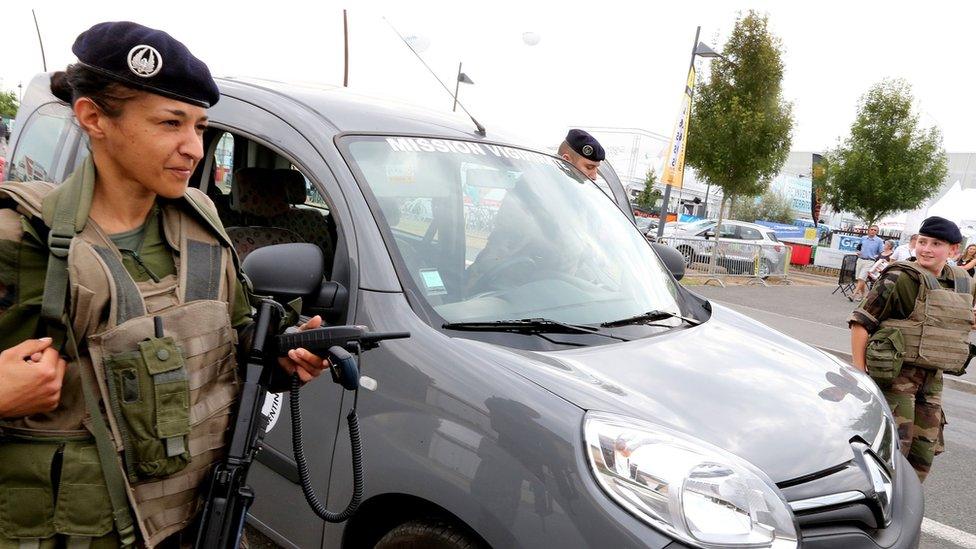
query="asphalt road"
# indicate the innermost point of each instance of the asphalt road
(814, 316)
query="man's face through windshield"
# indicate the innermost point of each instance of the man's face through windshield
(585, 165)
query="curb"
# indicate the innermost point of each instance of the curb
(947, 381)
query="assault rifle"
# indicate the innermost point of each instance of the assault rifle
(228, 495)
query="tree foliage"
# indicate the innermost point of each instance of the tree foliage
(8, 104)
(740, 130)
(771, 206)
(888, 163)
(649, 196)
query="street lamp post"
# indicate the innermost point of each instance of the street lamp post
(461, 79)
(699, 49)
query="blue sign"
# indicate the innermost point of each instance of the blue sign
(848, 243)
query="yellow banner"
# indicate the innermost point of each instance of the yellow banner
(674, 166)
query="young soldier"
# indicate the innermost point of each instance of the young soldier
(583, 151)
(913, 326)
(128, 273)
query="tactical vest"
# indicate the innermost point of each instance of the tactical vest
(936, 334)
(163, 358)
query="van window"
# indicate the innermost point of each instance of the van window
(39, 145)
(488, 232)
(224, 162)
(262, 198)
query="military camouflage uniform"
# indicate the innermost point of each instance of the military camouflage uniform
(915, 394)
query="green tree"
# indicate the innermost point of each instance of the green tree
(8, 104)
(888, 163)
(649, 196)
(771, 206)
(739, 135)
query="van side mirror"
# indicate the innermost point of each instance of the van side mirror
(672, 259)
(289, 271)
(709, 234)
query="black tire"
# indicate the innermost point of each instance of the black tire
(424, 534)
(765, 269)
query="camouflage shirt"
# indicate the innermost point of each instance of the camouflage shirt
(893, 297)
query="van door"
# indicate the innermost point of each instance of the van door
(246, 137)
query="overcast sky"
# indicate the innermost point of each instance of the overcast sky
(598, 63)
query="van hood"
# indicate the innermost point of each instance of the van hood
(786, 407)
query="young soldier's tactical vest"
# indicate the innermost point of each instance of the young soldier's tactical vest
(163, 358)
(936, 334)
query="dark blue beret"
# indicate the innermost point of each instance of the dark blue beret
(941, 228)
(585, 145)
(146, 59)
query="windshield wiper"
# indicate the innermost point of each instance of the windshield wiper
(649, 316)
(529, 326)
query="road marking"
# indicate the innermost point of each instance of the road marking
(731, 305)
(948, 533)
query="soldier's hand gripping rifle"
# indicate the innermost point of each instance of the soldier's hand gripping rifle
(228, 496)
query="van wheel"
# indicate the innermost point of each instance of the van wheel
(422, 534)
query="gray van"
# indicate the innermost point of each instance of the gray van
(560, 388)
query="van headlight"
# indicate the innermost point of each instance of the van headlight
(686, 487)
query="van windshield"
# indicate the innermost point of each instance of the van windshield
(493, 233)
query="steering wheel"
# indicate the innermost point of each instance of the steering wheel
(487, 280)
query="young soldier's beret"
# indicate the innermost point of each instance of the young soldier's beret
(941, 228)
(146, 59)
(585, 145)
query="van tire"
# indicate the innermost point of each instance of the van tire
(433, 534)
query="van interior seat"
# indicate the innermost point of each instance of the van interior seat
(264, 200)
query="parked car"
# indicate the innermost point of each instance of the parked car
(737, 249)
(559, 388)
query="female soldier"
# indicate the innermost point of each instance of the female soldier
(128, 273)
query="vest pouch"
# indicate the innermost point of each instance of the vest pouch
(885, 355)
(150, 397)
(26, 494)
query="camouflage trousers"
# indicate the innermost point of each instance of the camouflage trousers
(915, 397)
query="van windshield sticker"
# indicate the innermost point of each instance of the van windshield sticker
(419, 144)
(432, 281)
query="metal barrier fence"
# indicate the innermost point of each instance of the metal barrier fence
(736, 258)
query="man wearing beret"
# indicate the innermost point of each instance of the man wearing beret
(583, 151)
(912, 327)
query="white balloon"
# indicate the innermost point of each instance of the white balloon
(418, 42)
(531, 38)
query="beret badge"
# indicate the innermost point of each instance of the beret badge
(144, 61)
(587, 150)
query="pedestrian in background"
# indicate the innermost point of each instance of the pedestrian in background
(867, 255)
(968, 260)
(905, 251)
(882, 261)
(891, 341)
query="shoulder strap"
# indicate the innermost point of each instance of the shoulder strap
(206, 210)
(107, 456)
(961, 280)
(928, 279)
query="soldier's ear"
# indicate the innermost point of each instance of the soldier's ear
(90, 117)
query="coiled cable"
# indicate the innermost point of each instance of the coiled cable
(358, 478)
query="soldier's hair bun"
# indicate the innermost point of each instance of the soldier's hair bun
(60, 86)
